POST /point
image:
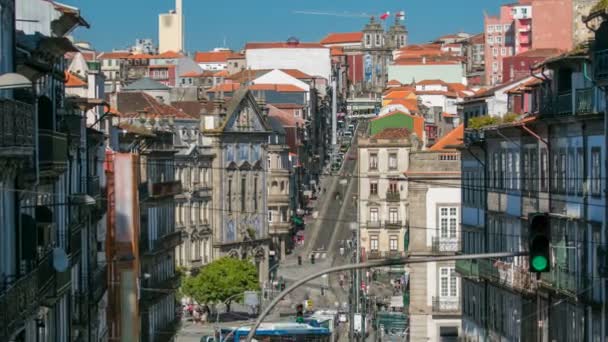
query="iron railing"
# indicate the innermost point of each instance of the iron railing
(445, 244)
(446, 304)
(584, 100)
(16, 125)
(393, 224)
(564, 103)
(393, 196)
(600, 63)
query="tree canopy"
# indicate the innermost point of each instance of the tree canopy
(220, 280)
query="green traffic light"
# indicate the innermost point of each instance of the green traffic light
(539, 263)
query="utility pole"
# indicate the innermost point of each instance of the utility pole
(334, 116)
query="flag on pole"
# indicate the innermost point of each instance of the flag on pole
(400, 15)
(385, 15)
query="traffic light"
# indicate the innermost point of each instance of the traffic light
(539, 239)
(300, 313)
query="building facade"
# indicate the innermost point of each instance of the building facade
(171, 29)
(550, 162)
(238, 135)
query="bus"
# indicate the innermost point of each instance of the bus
(275, 332)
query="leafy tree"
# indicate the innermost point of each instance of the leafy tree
(222, 280)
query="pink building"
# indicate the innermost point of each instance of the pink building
(507, 34)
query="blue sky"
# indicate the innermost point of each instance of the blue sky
(116, 23)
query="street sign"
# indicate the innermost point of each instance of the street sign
(309, 305)
(357, 322)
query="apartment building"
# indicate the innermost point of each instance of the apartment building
(382, 204)
(550, 162)
(434, 211)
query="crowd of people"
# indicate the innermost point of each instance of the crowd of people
(196, 313)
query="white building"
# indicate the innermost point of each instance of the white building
(213, 60)
(311, 58)
(171, 30)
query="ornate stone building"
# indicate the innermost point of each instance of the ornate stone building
(238, 135)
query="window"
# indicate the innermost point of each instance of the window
(503, 51)
(562, 171)
(448, 282)
(269, 215)
(579, 170)
(448, 220)
(392, 243)
(543, 170)
(499, 40)
(509, 173)
(392, 161)
(490, 28)
(377, 39)
(229, 197)
(494, 66)
(373, 214)
(595, 171)
(373, 161)
(506, 27)
(243, 190)
(368, 39)
(498, 28)
(373, 188)
(572, 173)
(490, 40)
(193, 212)
(392, 186)
(494, 52)
(255, 194)
(524, 11)
(393, 215)
(373, 243)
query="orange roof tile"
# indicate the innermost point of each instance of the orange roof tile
(236, 56)
(72, 80)
(399, 94)
(282, 45)
(113, 55)
(411, 105)
(393, 83)
(162, 66)
(336, 51)
(212, 56)
(392, 133)
(431, 82)
(226, 87)
(401, 88)
(342, 38)
(168, 54)
(456, 87)
(296, 73)
(140, 56)
(454, 137)
(221, 73)
(192, 74)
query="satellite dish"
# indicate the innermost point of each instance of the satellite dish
(60, 260)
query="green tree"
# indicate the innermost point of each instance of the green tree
(225, 279)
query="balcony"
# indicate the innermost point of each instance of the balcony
(394, 254)
(18, 302)
(93, 186)
(393, 224)
(164, 243)
(600, 62)
(71, 124)
(393, 196)
(561, 279)
(201, 190)
(467, 268)
(53, 147)
(372, 255)
(445, 244)
(564, 103)
(514, 276)
(373, 224)
(446, 305)
(159, 190)
(154, 291)
(584, 100)
(16, 129)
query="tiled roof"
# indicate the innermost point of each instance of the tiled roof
(222, 73)
(454, 137)
(212, 56)
(431, 82)
(336, 51)
(192, 108)
(392, 133)
(282, 45)
(411, 105)
(192, 74)
(236, 56)
(456, 86)
(540, 53)
(246, 75)
(296, 73)
(399, 94)
(140, 56)
(72, 80)
(342, 38)
(130, 103)
(162, 66)
(285, 118)
(402, 88)
(168, 55)
(225, 87)
(113, 55)
(393, 83)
